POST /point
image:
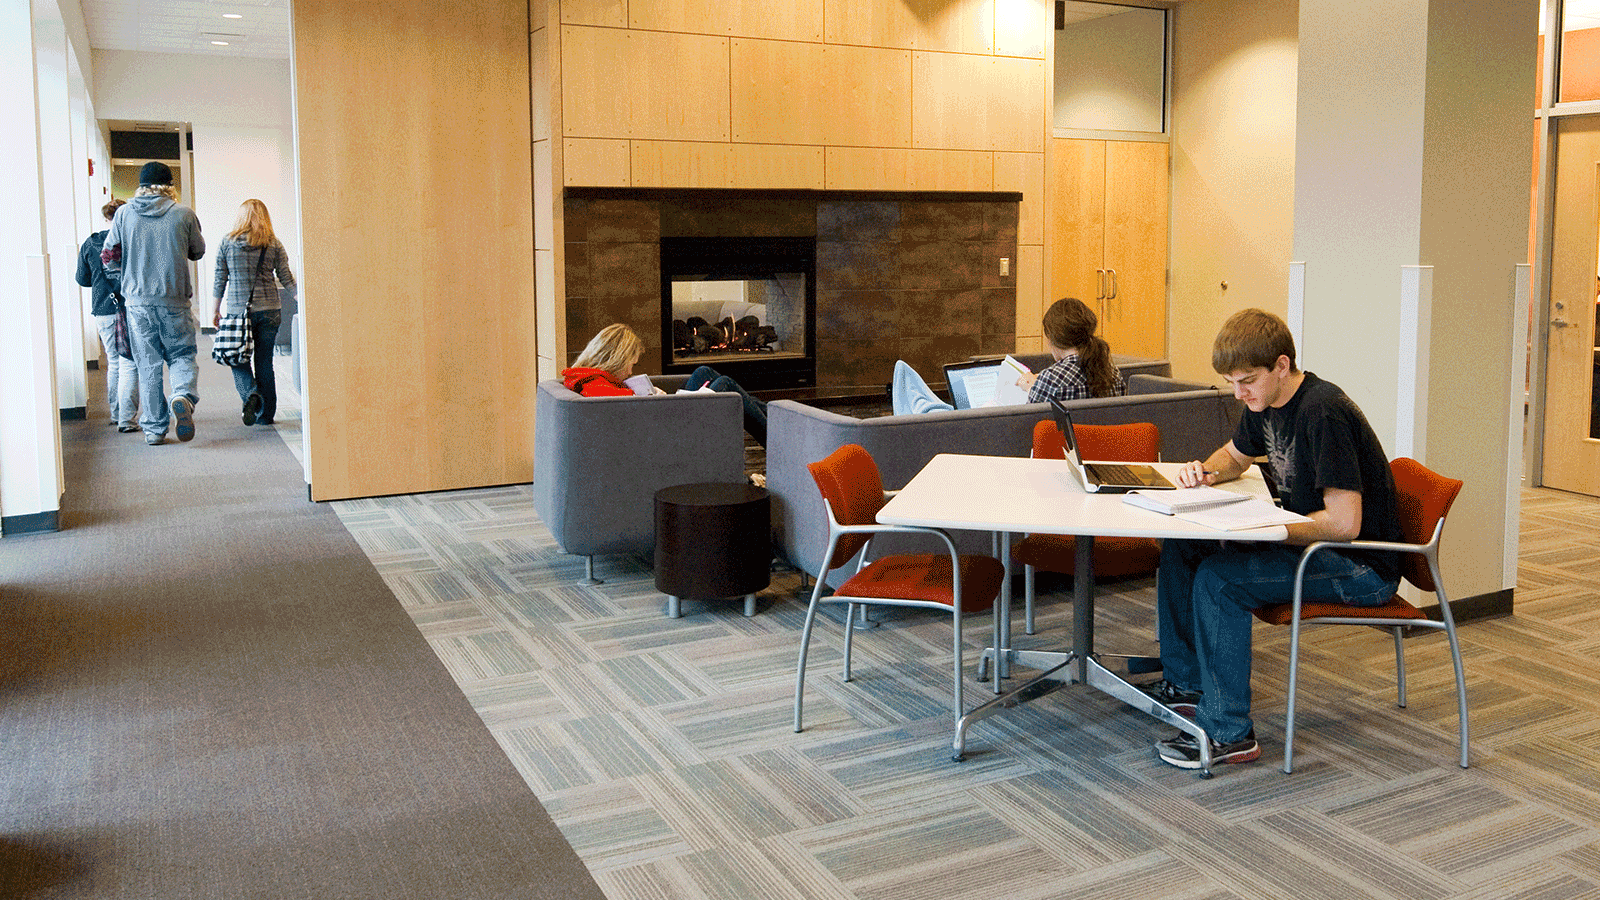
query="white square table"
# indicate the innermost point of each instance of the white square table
(1009, 495)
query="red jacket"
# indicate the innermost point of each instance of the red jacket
(594, 383)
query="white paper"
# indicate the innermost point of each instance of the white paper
(640, 385)
(1191, 499)
(997, 386)
(1252, 513)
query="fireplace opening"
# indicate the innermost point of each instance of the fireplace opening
(743, 305)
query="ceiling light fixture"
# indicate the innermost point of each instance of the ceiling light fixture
(232, 16)
(220, 43)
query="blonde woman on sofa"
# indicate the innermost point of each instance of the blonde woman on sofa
(604, 366)
(1082, 367)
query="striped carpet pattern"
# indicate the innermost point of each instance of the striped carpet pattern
(664, 751)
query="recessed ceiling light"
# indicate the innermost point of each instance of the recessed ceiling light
(232, 16)
(220, 43)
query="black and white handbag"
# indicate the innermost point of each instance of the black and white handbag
(232, 345)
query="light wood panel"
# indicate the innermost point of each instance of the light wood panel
(1022, 27)
(867, 169)
(397, 288)
(792, 20)
(963, 102)
(609, 13)
(644, 84)
(681, 164)
(1135, 317)
(772, 167)
(796, 93)
(1024, 173)
(951, 170)
(1076, 211)
(595, 163)
(1031, 300)
(957, 26)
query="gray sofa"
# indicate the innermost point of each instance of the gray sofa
(1194, 420)
(598, 461)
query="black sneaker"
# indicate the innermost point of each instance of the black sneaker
(252, 408)
(1183, 751)
(1172, 697)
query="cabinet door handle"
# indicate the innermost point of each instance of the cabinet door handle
(1112, 294)
(1100, 284)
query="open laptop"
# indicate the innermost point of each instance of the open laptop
(974, 383)
(1105, 478)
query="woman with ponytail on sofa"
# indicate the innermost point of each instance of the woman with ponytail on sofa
(1082, 366)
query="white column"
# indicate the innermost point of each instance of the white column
(30, 447)
(1412, 149)
(62, 226)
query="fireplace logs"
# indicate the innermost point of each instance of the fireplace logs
(696, 335)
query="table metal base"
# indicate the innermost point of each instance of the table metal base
(1077, 666)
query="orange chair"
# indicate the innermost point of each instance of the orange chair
(852, 492)
(1114, 557)
(1424, 499)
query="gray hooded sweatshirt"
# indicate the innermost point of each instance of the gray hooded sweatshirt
(150, 242)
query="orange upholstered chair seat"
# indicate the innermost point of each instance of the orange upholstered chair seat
(926, 578)
(1396, 608)
(1114, 557)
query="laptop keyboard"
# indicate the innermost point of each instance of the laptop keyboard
(1112, 473)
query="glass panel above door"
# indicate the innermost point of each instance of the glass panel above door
(1580, 51)
(1111, 68)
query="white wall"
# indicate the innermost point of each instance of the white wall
(1233, 146)
(243, 134)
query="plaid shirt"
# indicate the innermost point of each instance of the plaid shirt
(238, 265)
(1066, 380)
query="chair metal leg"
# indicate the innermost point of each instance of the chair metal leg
(1294, 672)
(805, 647)
(749, 605)
(1461, 690)
(1027, 597)
(849, 632)
(588, 571)
(1399, 665)
(674, 607)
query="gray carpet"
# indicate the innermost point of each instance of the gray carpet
(207, 691)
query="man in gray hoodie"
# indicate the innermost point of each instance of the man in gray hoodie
(150, 242)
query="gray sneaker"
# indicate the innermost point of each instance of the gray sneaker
(1183, 751)
(1177, 699)
(155, 439)
(183, 417)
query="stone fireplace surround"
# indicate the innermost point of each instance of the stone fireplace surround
(911, 276)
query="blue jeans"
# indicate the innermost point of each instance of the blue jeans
(1204, 593)
(122, 376)
(264, 332)
(755, 411)
(162, 334)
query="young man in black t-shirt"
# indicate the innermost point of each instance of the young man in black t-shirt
(1329, 466)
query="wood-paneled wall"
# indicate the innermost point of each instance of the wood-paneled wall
(413, 124)
(904, 95)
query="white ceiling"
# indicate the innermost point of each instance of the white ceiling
(190, 26)
(262, 31)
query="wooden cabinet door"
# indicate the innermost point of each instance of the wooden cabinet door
(1077, 198)
(1134, 317)
(1108, 237)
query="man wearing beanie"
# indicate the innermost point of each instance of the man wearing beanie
(151, 240)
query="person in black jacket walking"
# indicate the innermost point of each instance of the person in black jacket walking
(122, 376)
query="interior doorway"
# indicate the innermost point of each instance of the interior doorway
(1571, 437)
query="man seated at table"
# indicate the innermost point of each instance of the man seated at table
(1330, 466)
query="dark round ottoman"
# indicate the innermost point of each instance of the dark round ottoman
(712, 540)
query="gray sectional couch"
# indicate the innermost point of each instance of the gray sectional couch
(1194, 420)
(598, 461)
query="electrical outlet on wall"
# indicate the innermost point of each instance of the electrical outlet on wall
(1005, 265)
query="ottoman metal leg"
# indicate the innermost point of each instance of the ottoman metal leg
(749, 605)
(674, 608)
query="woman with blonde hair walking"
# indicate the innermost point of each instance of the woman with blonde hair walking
(251, 267)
